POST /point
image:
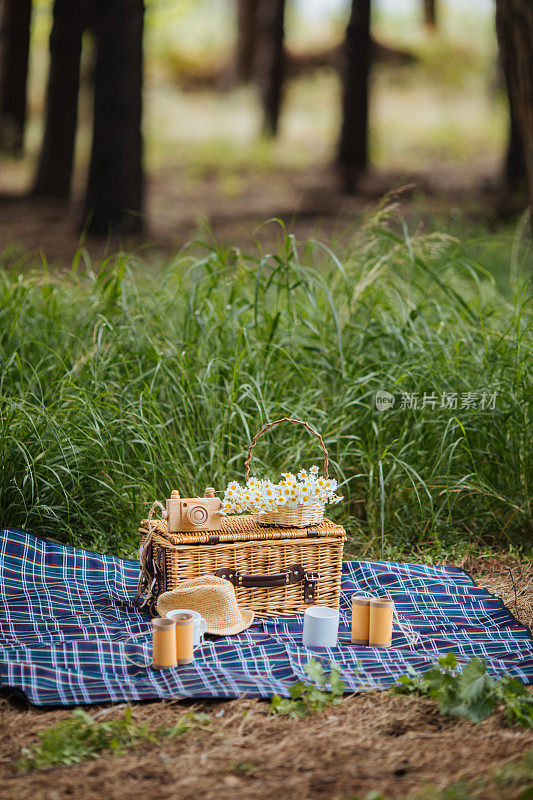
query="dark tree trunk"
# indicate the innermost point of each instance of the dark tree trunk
(15, 18)
(246, 40)
(115, 187)
(430, 13)
(270, 60)
(514, 172)
(514, 25)
(54, 171)
(515, 165)
(353, 148)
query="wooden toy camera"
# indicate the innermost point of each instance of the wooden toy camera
(194, 513)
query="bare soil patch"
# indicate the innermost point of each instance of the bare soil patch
(180, 209)
(374, 742)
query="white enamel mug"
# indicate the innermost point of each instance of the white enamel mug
(199, 623)
(321, 626)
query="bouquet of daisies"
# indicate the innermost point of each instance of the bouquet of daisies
(305, 490)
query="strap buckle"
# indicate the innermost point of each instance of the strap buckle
(310, 584)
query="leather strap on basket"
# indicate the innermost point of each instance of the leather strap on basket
(277, 422)
(150, 569)
(293, 574)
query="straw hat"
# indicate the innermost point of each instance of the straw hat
(214, 598)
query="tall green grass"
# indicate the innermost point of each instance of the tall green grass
(118, 384)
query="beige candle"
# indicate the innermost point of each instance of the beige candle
(360, 619)
(184, 637)
(164, 643)
(380, 630)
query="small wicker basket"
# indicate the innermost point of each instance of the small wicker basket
(294, 516)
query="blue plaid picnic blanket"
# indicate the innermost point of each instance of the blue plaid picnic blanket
(69, 631)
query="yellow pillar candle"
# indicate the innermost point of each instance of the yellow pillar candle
(380, 631)
(184, 637)
(360, 619)
(164, 643)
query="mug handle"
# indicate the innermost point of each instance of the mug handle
(128, 658)
(203, 628)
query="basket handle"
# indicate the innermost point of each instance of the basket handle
(292, 574)
(277, 422)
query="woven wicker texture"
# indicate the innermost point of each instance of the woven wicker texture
(264, 558)
(254, 550)
(289, 516)
(242, 529)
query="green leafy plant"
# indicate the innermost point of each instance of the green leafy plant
(470, 693)
(81, 737)
(305, 698)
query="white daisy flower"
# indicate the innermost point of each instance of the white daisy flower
(263, 494)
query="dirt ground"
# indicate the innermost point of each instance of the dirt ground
(180, 209)
(397, 745)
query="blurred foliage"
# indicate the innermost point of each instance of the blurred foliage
(81, 737)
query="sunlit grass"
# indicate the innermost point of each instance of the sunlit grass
(119, 383)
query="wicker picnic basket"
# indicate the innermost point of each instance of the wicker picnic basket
(278, 564)
(276, 571)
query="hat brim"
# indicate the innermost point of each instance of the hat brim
(172, 600)
(247, 619)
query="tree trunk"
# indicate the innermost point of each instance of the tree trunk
(353, 148)
(15, 18)
(270, 60)
(115, 186)
(430, 13)
(514, 25)
(514, 163)
(54, 171)
(246, 40)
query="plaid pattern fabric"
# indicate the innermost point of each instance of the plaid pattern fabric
(67, 618)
